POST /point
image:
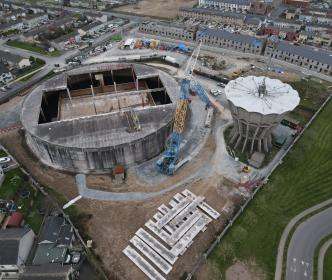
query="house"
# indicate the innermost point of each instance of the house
(24, 62)
(213, 15)
(262, 7)
(227, 40)
(47, 271)
(314, 59)
(167, 30)
(229, 5)
(5, 75)
(56, 238)
(15, 246)
(322, 39)
(15, 220)
(283, 33)
(13, 61)
(304, 4)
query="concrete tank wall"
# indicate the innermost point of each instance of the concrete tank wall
(253, 130)
(88, 160)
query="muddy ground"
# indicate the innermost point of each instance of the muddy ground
(114, 223)
(157, 8)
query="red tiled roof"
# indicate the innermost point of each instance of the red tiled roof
(15, 219)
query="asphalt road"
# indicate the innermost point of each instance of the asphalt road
(303, 244)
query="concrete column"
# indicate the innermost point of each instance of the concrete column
(68, 92)
(253, 139)
(45, 99)
(246, 139)
(42, 113)
(259, 141)
(93, 99)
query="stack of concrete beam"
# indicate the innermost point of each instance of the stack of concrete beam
(169, 234)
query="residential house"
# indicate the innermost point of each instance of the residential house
(170, 31)
(52, 271)
(283, 33)
(56, 238)
(229, 5)
(15, 246)
(13, 61)
(304, 4)
(5, 75)
(313, 59)
(213, 15)
(227, 40)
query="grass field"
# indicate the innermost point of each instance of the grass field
(16, 181)
(32, 48)
(328, 264)
(303, 180)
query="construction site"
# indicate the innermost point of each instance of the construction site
(140, 148)
(93, 118)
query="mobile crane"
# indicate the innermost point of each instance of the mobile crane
(168, 162)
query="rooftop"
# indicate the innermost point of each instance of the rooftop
(46, 272)
(306, 51)
(214, 12)
(262, 95)
(229, 36)
(9, 244)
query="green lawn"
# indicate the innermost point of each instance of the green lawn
(32, 47)
(328, 264)
(303, 180)
(16, 181)
(3, 153)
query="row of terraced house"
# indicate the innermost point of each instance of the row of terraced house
(311, 58)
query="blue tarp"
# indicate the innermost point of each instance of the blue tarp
(182, 47)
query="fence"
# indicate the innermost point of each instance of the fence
(243, 207)
(37, 186)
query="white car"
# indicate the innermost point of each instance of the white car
(4, 160)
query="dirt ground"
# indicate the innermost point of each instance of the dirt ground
(114, 223)
(157, 8)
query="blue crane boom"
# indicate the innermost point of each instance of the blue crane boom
(167, 163)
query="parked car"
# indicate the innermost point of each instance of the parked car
(5, 160)
(221, 85)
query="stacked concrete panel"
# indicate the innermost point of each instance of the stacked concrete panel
(169, 234)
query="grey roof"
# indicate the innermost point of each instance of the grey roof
(48, 253)
(229, 36)
(254, 19)
(46, 272)
(307, 52)
(10, 57)
(9, 244)
(91, 25)
(239, 2)
(56, 230)
(214, 12)
(3, 68)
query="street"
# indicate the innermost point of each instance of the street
(303, 244)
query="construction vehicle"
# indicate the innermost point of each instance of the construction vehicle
(168, 163)
(246, 169)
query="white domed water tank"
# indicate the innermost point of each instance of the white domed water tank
(258, 104)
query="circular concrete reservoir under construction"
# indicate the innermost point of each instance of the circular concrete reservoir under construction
(95, 117)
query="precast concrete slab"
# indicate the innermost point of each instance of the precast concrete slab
(142, 264)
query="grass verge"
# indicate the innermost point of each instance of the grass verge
(32, 47)
(316, 254)
(302, 181)
(328, 264)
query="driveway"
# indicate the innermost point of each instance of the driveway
(303, 244)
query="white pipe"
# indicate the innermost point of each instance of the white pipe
(71, 202)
